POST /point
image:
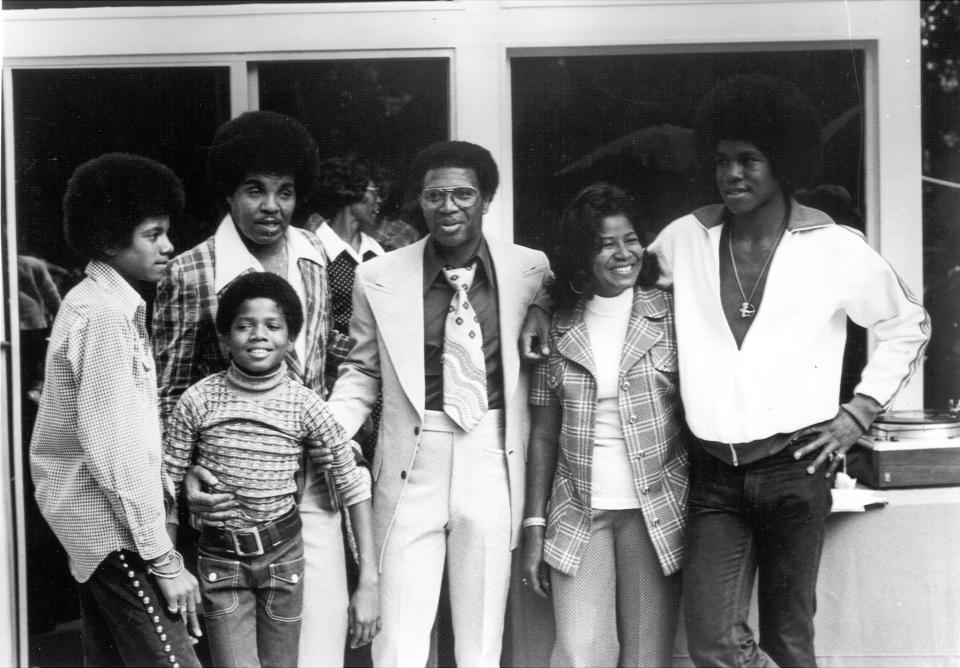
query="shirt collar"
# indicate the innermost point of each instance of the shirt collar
(232, 258)
(433, 263)
(801, 217)
(116, 287)
(334, 246)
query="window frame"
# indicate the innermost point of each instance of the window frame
(480, 38)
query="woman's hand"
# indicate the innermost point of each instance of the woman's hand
(210, 508)
(364, 614)
(536, 573)
(182, 594)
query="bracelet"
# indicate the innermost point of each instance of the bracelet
(168, 575)
(166, 561)
(534, 522)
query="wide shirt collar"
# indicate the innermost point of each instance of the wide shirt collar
(115, 287)
(232, 258)
(334, 246)
(433, 263)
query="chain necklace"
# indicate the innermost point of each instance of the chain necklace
(747, 308)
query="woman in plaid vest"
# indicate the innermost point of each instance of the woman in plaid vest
(607, 467)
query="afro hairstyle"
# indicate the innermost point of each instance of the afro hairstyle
(259, 285)
(771, 113)
(460, 154)
(577, 241)
(108, 196)
(342, 181)
(261, 142)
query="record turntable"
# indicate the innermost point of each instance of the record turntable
(909, 449)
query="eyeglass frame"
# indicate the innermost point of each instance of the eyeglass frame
(448, 191)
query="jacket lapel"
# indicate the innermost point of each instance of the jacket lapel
(572, 339)
(396, 299)
(650, 307)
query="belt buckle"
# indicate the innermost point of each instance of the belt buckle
(236, 542)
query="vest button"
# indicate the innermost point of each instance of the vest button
(416, 431)
(403, 475)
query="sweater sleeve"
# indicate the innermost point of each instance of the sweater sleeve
(323, 430)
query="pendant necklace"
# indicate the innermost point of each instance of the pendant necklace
(747, 309)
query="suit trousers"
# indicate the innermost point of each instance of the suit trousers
(325, 597)
(455, 507)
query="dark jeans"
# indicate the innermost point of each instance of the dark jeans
(253, 605)
(125, 621)
(766, 517)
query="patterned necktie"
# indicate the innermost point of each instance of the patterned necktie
(464, 369)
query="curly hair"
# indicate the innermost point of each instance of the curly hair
(261, 142)
(341, 181)
(771, 113)
(257, 285)
(108, 196)
(456, 154)
(577, 241)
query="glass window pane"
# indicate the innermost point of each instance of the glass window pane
(380, 110)
(628, 120)
(63, 117)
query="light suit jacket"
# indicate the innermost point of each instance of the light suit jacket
(388, 355)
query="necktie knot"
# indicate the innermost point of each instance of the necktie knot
(460, 278)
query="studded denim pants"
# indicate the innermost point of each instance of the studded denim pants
(125, 621)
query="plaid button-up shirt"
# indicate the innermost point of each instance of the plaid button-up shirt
(95, 455)
(185, 341)
(651, 418)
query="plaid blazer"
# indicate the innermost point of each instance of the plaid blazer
(651, 418)
(185, 342)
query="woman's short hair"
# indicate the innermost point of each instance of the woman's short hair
(108, 196)
(577, 241)
(342, 181)
(261, 142)
(456, 154)
(771, 113)
(259, 285)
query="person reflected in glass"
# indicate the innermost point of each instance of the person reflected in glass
(607, 462)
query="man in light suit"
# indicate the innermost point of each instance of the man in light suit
(448, 472)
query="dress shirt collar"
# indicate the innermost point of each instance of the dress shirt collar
(232, 258)
(801, 217)
(433, 263)
(116, 287)
(334, 246)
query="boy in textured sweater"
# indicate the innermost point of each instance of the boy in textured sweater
(247, 425)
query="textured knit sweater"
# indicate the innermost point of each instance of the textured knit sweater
(249, 432)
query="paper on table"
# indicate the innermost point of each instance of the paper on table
(848, 498)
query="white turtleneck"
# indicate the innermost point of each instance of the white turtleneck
(606, 319)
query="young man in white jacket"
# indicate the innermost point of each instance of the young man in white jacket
(762, 289)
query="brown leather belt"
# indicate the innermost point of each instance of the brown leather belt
(252, 541)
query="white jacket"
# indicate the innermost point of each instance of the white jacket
(786, 375)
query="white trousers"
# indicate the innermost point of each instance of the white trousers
(325, 600)
(455, 508)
